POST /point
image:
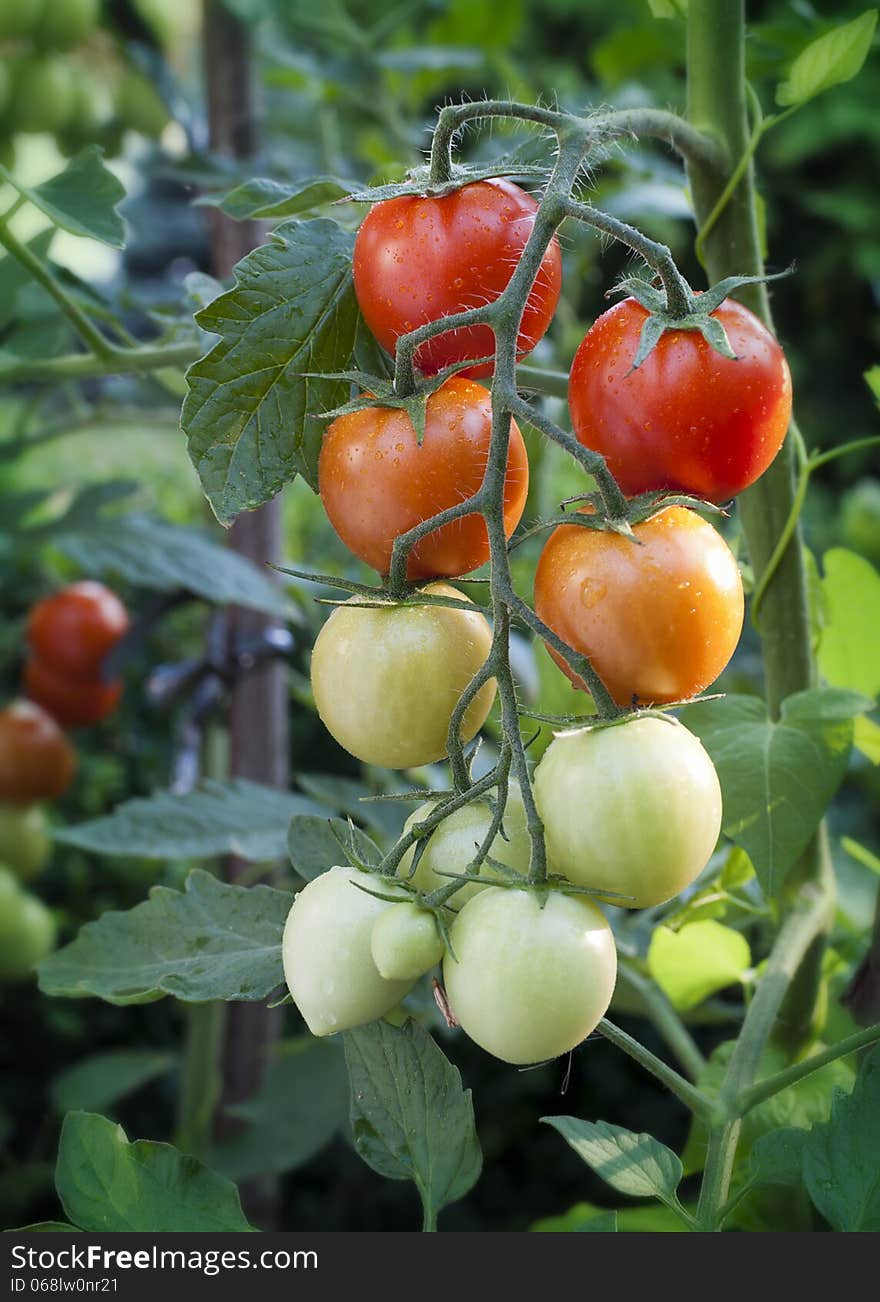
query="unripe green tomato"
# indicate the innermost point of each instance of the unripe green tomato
(387, 680)
(527, 982)
(452, 845)
(634, 809)
(65, 23)
(25, 844)
(44, 94)
(139, 105)
(860, 519)
(27, 930)
(405, 942)
(326, 953)
(18, 18)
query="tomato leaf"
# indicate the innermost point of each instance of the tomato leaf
(249, 415)
(702, 958)
(316, 844)
(263, 199)
(840, 1164)
(301, 1104)
(94, 1084)
(236, 817)
(638, 1165)
(866, 738)
(47, 1227)
(108, 1185)
(411, 1118)
(777, 777)
(82, 199)
(851, 597)
(777, 1156)
(211, 941)
(829, 60)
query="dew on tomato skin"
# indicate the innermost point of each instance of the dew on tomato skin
(592, 591)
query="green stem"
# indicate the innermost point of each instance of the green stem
(698, 1103)
(765, 1089)
(200, 1077)
(665, 1019)
(113, 361)
(679, 300)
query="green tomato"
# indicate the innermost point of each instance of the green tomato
(18, 18)
(139, 105)
(27, 930)
(531, 977)
(386, 681)
(326, 953)
(634, 810)
(25, 844)
(860, 519)
(66, 23)
(44, 95)
(452, 845)
(405, 942)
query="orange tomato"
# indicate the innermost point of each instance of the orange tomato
(75, 628)
(37, 761)
(74, 702)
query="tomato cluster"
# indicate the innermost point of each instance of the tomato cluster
(631, 807)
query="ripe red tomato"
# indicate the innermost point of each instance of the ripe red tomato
(377, 481)
(73, 630)
(659, 621)
(73, 702)
(687, 419)
(37, 761)
(418, 258)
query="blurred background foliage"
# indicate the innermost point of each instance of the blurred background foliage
(350, 90)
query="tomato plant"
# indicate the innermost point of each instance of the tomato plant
(658, 616)
(378, 479)
(420, 258)
(37, 761)
(687, 419)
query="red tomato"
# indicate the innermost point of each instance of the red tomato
(74, 702)
(377, 481)
(418, 258)
(37, 761)
(74, 630)
(688, 419)
(658, 621)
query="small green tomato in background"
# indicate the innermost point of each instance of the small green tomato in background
(27, 930)
(531, 977)
(452, 845)
(44, 93)
(326, 953)
(405, 942)
(386, 680)
(860, 519)
(64, 23)
(139, 105)
(25, 844)
(633, 809)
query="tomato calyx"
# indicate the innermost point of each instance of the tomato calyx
(419, 182)
(592, 513)
(698, 316)
(379, 391)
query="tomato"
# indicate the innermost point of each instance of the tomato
(44, 93)
(386, 680)
(140, 106)
(326, 953)
(75, 629)
(36, 759)
(687, 419)
(633, 809)
(377, 481)
(65, 23)
(530, 977)
(659, 618)
(25, 844)
(27, 930)
(74, 702)
(452, 845)
(405, 942)
(418, 258)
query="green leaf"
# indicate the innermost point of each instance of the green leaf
(872, 377)
(840, 1159)
(866, 738)
(94, 1084)
(411, 1118)
(250, 412)
(829, 60)
(301, 1104)
(668, 8)
(651, 1218)
(46, 1227)
(777, 1157)
(82, 199)
(637, 1165)
(211, 941)
(848, 647)
(264, 199)
(236, 817)
(107, 1185)
(777, 778)
(151, 553)
(313, 847)
(699, 960)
